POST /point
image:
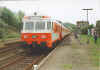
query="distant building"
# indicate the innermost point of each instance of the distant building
(82, 27)
(82, 24)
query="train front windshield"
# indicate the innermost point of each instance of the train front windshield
(29, 26)
(39, 26)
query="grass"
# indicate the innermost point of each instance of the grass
(10, 36)
(67, 66)
(94, 48)
(91, 40)
(13, 36)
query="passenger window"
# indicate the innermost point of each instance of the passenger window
(48, 25)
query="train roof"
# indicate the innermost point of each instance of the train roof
(28, 18)
(36, 18)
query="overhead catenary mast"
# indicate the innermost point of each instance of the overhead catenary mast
(88, 9)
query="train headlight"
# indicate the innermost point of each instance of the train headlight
(25, 36)
(34, 36)
(43, 37)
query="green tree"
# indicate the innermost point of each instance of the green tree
(19, 16)
(70, 26)
(9, 21)
(91, 26)
(8, 17)
(2, 30)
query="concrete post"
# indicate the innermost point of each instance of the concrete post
(35, 67)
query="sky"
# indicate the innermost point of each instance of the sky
(64, 10)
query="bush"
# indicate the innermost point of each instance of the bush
(1, 28)
(1, 33)
(98, 27)
(84, 30)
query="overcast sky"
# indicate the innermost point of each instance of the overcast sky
(65, 10)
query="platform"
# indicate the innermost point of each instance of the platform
(69, 55)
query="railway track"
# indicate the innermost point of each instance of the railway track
(9, 46)
(9, 53)
(10, 59)
(22, 63)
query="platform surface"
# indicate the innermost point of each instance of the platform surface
(69, 55)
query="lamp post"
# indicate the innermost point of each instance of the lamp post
(88, 9)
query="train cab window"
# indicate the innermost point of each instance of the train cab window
(29, 26)
(40, 25)
(49, 25)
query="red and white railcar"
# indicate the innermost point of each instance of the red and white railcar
(42, 31)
